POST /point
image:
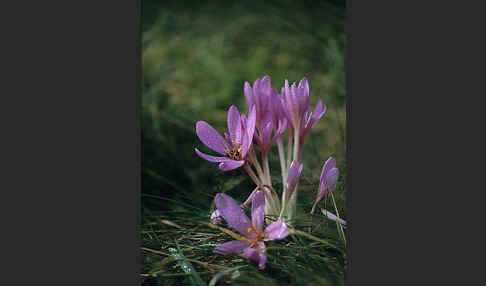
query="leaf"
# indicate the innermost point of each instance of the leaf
(159, 265)
(223, 272)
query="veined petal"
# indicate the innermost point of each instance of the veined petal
(257, 254)
(249, 95)
(232, 213)
(230, 165)
(250, 126)
(328, 165)
(234, 246)
(234, 124)
(276, 230)
(210, 158)
(210, 137)
(258, 210)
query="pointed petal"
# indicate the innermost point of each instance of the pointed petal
(293, 177)
(232, 213)
(210, 137)
(210, 158)
(230, 165)
(328, 165)
(258, 210)
(257, 255)
(234, 246)
(248, 95)
(277, 230)
(234, 124)
(250, 126)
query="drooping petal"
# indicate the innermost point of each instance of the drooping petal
(234, 124)
(234, 246)
(258, 210)
(257, 254)
(210, 158)
(276, 230)
(232, 213)
(293, 177)
(333, 217)
(210, 137)
(230, 165)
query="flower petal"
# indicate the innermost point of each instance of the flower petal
(210, 158)
(258, 210)
(210, 137)
(215, 217)
(234, 124)
(276, 230)
(230, 165)
(234, 246)
(232, 213)
(331, 178)
(257, 255)
(328, 165)
(248, 95)
(333, 217)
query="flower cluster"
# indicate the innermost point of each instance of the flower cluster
(271, 115)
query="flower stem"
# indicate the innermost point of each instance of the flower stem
(289, 150)
(252, 175)
(281, 155)
(266, 168)
(310, 236)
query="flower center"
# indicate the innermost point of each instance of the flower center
(235, 152)
(258, 238)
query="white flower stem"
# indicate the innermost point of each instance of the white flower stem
(266, 168)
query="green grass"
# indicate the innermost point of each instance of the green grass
(195, 59)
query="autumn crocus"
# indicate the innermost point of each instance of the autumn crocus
(327, 181)
(234, 147)
(252, 244)
(295, 102)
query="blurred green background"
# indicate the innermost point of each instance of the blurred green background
(196, 56)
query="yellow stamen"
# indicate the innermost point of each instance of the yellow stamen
(249, 229)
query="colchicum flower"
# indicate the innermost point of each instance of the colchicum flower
(328, 180)
(252, 244)
(295, 102)
(234, 146)
(262, 97)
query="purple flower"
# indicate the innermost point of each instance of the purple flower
(328, 180)
(252, 245)
(295, 103)
(259, 97)
(329, 177)
(234, 146)
(269, 115)
(293, 177)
